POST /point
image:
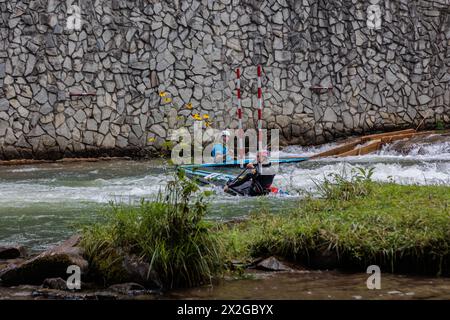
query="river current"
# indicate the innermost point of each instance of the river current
(42, 204)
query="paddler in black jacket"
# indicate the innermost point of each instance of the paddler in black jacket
(254, 183)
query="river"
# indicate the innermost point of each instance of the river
(42, 204)
(319, 284)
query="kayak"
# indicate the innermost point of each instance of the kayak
(237, 163)
(220, 180)
(206, 177)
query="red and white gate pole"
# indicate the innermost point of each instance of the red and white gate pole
(241, 151)
(260, 109)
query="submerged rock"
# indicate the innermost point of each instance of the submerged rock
(130, 288)
(12, 252)
(71, 295)
(55, 283)
(52, 263)
(272, 264)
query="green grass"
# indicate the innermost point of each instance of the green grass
(399, 228)
(168, 233)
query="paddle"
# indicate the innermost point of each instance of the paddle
(235, 179)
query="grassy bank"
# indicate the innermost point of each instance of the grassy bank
(355, 223)
(399, 228)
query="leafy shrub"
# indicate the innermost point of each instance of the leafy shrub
(342, 186)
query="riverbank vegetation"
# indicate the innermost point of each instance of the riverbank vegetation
(403, 229)
(355, 222)
(168, 236)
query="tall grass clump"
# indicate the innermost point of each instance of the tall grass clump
(346, 186)
(168, 233)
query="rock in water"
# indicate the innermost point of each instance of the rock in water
(130, 288)
(12, 252)
(55, 283)
(272, 264)
(52, 263)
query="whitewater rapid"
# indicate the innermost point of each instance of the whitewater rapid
(129, 180)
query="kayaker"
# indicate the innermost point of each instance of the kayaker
(255, 183)
(220, 151)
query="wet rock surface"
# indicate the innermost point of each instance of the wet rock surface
(55, 283)
(52, 263)
(48, 271)
(12, 252)
(27, 292)
(129, 289)
(272, 264)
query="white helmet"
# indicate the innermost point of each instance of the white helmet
(226, 133)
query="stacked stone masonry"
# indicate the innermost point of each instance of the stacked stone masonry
(331, 68)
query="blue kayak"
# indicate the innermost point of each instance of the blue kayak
(237, 163)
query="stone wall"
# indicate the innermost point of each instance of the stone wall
(150, 65)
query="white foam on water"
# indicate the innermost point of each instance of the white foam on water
(296, 179)
(437, 151)
(422, 164)
(31, 169)
(306, 151)
(423, 173)
(24, 193)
